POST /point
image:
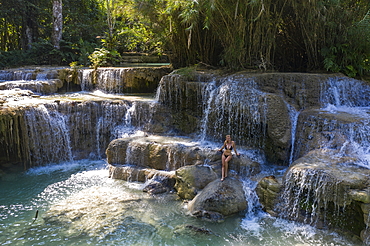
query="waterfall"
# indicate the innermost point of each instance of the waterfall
(66, 130)
(294, 119)
(237, 108)
(345, 92)
(182, 95)
(210, 93)
(48, 135)
(86, 78)
(251, 220)
(307, 195)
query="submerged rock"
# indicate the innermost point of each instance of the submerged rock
(224, 197)
(184, 229)
(96, 211)
(160, 184)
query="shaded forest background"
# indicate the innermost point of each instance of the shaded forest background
(284, 35)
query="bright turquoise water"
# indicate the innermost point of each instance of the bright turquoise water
(115, 212)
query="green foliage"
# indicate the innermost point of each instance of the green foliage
(287, 35)
(351, 57)
(102, 57)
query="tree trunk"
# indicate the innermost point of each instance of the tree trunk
(57, 23)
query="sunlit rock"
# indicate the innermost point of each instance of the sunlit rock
(225, 197)
(153, 151)
(191, 179)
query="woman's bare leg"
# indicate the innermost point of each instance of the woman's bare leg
(226, 169)
(223, 168)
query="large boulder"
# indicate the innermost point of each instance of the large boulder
(156, 152)
(191, 179)
(278, 129)
(224, 197)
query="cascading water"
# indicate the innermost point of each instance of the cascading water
(209, 92)
(315, 192)
(48, 135)
(342, 123)
(347, 92)
(104, 211)
(110, 81)
(294, 119)
(236, 109)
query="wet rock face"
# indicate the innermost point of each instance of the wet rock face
(191, 179)
(278, 129)
(323, 129)
(268, 190)
(327, 190)
(224, 197)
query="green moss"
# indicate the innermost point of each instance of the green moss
(188, 72)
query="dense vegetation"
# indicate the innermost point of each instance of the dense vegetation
(285, 35)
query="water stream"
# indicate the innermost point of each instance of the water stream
(68, 134)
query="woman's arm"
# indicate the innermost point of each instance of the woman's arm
(234, 147)
(223, 146)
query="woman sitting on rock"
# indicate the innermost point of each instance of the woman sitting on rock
(229, 145)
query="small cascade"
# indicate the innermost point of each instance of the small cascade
(345, 92)
(48, 135)
(342, 131)
(107, 80)
(251, 220)
(95, 124)
(209, 91)
(237, 108)
(342, 124)
(28, 74)
(307, 195)
(122, 80)
(86, 79)
(182, 95)
(67, 130)
(294, 119)
(111, 123)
